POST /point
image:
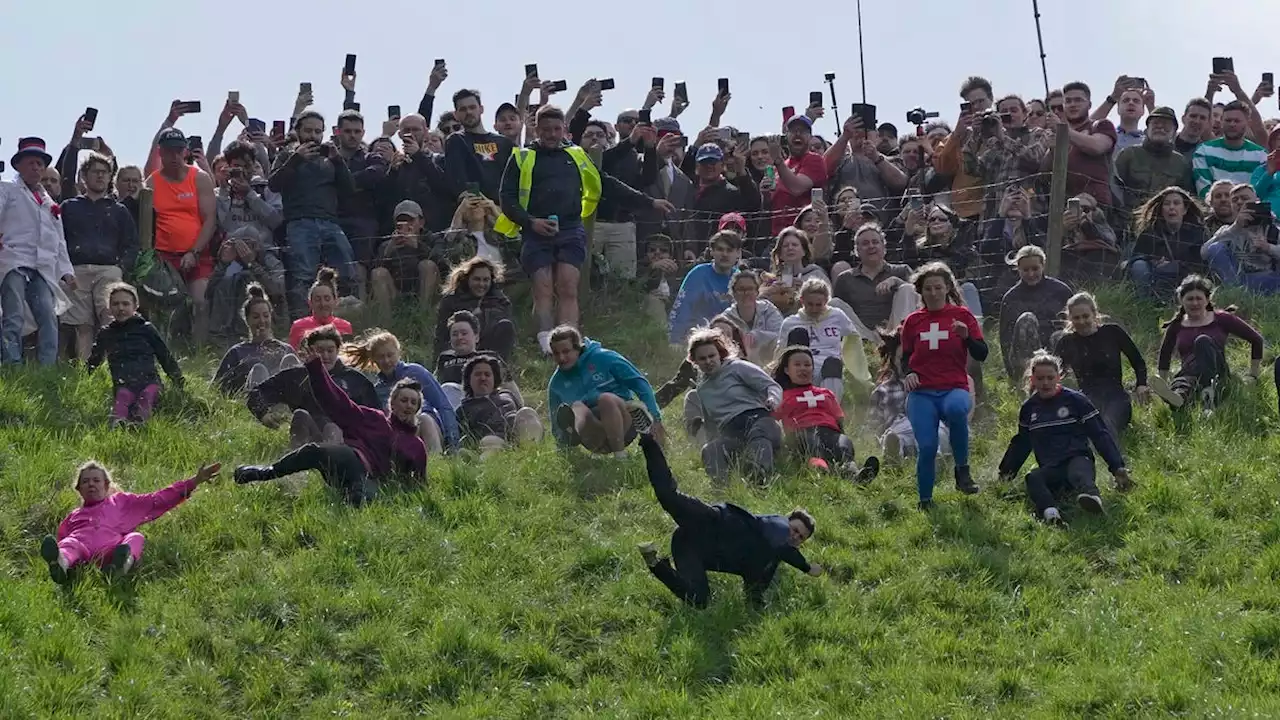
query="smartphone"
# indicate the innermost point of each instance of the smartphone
(788, 112)
(304, 87)
(1222, 65)
(966, 106)
(325, 150)
(658, 82)
(1269, 78)
(91, 116)
(256, 125)
(559, 86)
(195, 142)
(682, 92)
(724, 134)
(89, 143)
(473, 188)
(607, 84)
(533, 109)
(723, 84)
(355, 106)
(815, 98)
(1073, 204)
(233, 97)
(815, 195)
(439, 62)
(531, 70)
(350, 67)
(190, 106)
(868, 115)
(278, 127)
(1140, 82)
(393, 112)
(646, 117)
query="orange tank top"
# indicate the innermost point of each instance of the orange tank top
(177, 206)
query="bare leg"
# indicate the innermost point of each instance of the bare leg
(566, 288)
(84, 341)
(382, 292)
(615, 419)
(429, 431)
(428, 280)
(590, 431)
(528, 427)
(199, 312)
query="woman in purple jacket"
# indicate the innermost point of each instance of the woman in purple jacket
(375, 444)
(1199, 333)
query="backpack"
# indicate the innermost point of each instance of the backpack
(158, 280)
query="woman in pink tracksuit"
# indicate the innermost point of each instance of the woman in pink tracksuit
(105, 527)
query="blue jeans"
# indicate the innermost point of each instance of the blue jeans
(1223, 262)
(1148, 278)
(924, 409)
(311, 241)
(972, 300)
(27, 284)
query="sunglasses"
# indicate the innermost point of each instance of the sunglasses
(1057, 108)
(453, 128)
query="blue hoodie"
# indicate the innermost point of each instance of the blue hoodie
(703, 295)
(434, 401)
(1267, 185)
(597, 371)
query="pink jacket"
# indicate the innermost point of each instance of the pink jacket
(104, 523)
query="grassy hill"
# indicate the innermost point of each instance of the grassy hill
(510, 588)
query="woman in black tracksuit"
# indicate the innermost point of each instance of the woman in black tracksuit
(1092, 350)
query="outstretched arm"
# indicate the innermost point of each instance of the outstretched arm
(141, 509)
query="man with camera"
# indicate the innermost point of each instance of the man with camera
(1003, 150)
(310, 178)
(967, 194)
(1245, 252)
(854, 160)
(245, 200)
(1145, 169)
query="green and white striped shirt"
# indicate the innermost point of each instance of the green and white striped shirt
(1214, 161)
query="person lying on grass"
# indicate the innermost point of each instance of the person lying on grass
(379, 350)
(290, 391)
(375, 443)
(1057, 424)
(132, 346)
(813, 421)
(597, 398)
(720, 538)
(105, 527)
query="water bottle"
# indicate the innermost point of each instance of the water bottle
(554, 220)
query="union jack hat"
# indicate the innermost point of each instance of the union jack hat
(32, 146)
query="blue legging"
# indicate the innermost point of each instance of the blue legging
(925, 408)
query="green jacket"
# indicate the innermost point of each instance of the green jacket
(1146, 169)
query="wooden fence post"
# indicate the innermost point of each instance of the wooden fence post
(584, 280)
(145, 223)
(1057, 198)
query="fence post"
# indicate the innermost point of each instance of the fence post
(145, 224)
(584, 280)
(1057, 198)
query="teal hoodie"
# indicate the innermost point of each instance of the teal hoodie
(597, 371)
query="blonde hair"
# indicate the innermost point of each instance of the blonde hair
(94, 465)
(1027, 251)
(1042, 357)
(123, 287)
(359, 353)
(815, 286)
(1083, 298)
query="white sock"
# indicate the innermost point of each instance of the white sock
(544, 341)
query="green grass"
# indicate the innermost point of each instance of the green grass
(510, 588)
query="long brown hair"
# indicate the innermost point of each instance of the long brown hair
(460, 278)
(1145, 217)
(1191, 283)
(938, 269)
(775, 255)
(359, 353)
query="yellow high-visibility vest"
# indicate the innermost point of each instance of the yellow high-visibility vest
(591, 185)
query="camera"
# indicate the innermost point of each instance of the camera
(236, 173)
(918, 115)
(325, 150)
(830, 76)
(1261, 214)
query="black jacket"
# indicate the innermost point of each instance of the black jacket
(741, 195)
(494, 306)
(100, 232)
(622, 162)
(739, 543)
(292, 387)
(557, 189)
(233, 371)
(367, 173)
(487, 415)
(422, 180)
(131, 348)
(310, 189)
(475, 158)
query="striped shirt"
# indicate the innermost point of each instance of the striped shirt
(1213, 161)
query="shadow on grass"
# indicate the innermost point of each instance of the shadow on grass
(711, 663)
(594, 476)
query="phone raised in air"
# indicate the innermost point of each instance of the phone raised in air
(658, 83)
(559, 86)
(349, 68)
(278, 127)
(393, 112)
(815, 97)
(190, 107)
(89, 143)
(1269, 78)
(91, 116)
(868, 115)
(257, 126)
(646, 117)
(1223, 65)
(788, 112)
(682, 92)
(531, 70)
(607, 84)
(723, 85)
(195, 142)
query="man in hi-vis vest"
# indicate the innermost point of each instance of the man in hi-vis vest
(547, 190)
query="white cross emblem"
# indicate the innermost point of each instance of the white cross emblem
(808, 398)
(934, 335)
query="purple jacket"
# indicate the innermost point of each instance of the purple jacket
(386, 444)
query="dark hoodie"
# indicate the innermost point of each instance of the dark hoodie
(487, 414)
(292, 387)
(384, 443)
(233, 371)
(131, 348)
(494, 306)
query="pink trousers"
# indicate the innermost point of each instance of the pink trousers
(77, 552)
(139, 404)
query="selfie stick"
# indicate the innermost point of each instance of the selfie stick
(862, 64)
(835, 106)
(1035, 6)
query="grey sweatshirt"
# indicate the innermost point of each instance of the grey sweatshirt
(738, 386)
(263, 213)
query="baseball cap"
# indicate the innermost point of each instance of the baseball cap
(800, 119)
(1163, 112)
(171, 138)
(410, 208)
(709, 151)
(505, 106)
(733, 219)
(666, 126)
(889, 128)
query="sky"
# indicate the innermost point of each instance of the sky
(131, 59)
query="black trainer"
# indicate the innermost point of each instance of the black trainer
(964, 482)
(51, 554)
(870, 469)
(641, 420)
(246, 474)
(568, 423)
